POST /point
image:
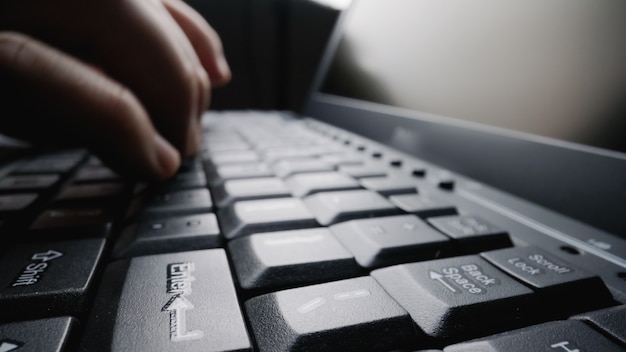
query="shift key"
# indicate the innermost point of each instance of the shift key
(170, 302)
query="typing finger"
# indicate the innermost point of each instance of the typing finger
(51, 96)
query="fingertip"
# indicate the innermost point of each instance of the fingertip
(167, 158)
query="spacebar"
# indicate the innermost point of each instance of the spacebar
(169, 302)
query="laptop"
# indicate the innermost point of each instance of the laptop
(454, 183)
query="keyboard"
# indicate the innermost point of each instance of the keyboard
(287, 235)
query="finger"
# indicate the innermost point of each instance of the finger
(147, 57)
(61, 99)
(204, 39)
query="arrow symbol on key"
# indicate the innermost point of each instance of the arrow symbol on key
(47, 256)
(438, 277)
(8, 346)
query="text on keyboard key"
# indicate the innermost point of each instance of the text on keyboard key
(169, 302)
(457, 298)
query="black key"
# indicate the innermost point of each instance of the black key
(47, 166)
(266, 215)
(184, 181)
(333, 207)
(366, 170)
(423, 205)
(238, 171)
(85, 222)
(49, 278)
(92, 192)
(390, 240)
(348, 315)
(234, 157)
(190, 165)
(249, 189)
(610, 321)
(279, 259)
(28, 182)
(170, 302)
(472, 233)
(169, 234)
(44, 335)
(194, 201)
(390, 185)
(289, 167)
(558, 336)
(342, 159)
(563, 288)
(96, 174)
(305, 184)
(16, 202)
(456, 298)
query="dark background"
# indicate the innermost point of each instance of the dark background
(273, 48)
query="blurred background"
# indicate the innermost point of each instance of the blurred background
(273, 48)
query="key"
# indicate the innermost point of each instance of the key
(168, 234)
(610, 321)
(289, 167)
(243, 218)
(563, 288)
(24, 183)
(95, 174)
(339, 159)
(390, 240)
(167, 302)
(48, 278)
(47, 166)
(472, 233)
(69, 222)
(348, 315)
(366, 170)
(92, 192)
(49, 335)
(333, 207)
(389, 185)
(305, 184)
(12, 203)
(184, 181)
(234, 157)
(423, 205)
(457, 298)
(249, 189)
(558, 336)
(278, 259)
(238, 171)
(186, 202)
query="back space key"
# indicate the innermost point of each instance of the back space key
(170, 302)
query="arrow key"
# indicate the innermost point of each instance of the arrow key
(457, 298)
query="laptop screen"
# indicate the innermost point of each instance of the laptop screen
(554, 69)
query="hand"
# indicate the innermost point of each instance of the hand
(128, 79)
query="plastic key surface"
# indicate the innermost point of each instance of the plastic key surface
(610, 321)
(558, 336)
(348, 315)
(44, 335)
(169, 302)
(249, 189)
(47, 278)
(169, 234)
(333, 207)
(309, 183)
(266, 215)
(390, 240)
(457, 298)
(279, 259)
(562, 287)
(472, 233)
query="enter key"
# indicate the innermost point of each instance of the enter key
(563, 289)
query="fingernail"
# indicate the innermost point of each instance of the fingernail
(167, 157)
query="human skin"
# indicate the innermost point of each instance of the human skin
(127, 79)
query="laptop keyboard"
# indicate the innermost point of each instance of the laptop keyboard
(285, 235)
